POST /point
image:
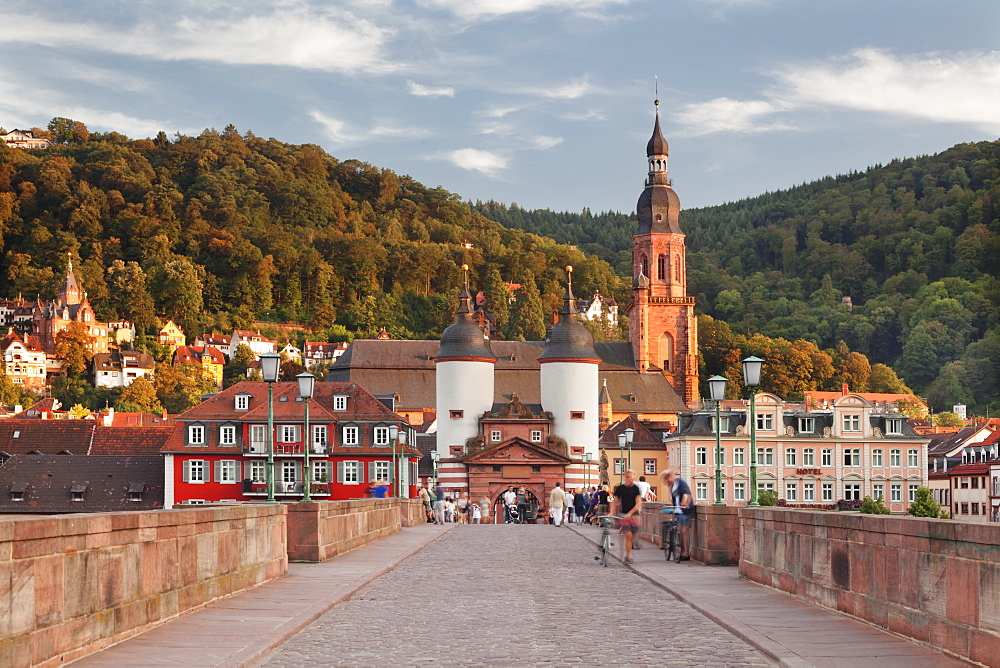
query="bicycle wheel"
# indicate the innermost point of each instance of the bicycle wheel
(671, 546)
(677, 540)
(605, 547)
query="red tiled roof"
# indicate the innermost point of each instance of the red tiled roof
(123, 441)
(19, 436)
(193, 354)
(970, 469)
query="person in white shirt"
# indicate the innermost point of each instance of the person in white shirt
(557, 504)
(509, 499)
(646, 489)
(476, 514)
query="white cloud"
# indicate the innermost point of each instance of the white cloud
(543, 143)
(429, 91)
(314, 39)
(489, 9)
(942, 88)
(500, 112)
(477, 160)
(572, 90)
(589, 115)
(341, 133)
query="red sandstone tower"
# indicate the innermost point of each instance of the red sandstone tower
(662, 325)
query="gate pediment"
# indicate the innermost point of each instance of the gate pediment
(513, 451)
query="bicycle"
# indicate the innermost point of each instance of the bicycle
(670, 534)
(609, 522)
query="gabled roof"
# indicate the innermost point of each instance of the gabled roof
(642, 437)
(120, 359)
(125, 441)
(534, 452)
(47, 482)
(193, 354)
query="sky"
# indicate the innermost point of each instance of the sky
(543, 103)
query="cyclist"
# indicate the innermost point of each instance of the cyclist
(682, 499)
(628, 505)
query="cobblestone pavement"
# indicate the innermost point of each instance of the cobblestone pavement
(513, 595)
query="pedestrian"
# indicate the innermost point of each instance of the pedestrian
(580, 505)
(476, 513)
(425, 498)
(522, 503)
(380, 489)
(645, 489)
(484, 508)
(449, 511)
(462, 508)
(509, 499)
(680, 495)
(557, 504)
(603, 499)
(438, 504)
(568, 512)
(628, 505)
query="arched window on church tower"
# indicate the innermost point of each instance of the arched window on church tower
(661, 267)
(644, 265)
(667, 351)
(677, 268)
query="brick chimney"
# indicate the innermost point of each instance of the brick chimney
(843, 389)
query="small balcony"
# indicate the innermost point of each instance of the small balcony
(260, 448)
(255, 488)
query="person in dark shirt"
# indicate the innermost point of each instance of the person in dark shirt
(628, 505)
(684, 503)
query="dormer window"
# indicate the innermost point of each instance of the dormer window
(852, 422)
(242, 402)
(196, 434)
(78, 490)
(340, 402)
(807, 425)
(17, 491)
(894, 426)
(135, 491)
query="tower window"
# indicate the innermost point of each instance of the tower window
(456, 414)
(661, 265)
(576, 415)
(677, 268)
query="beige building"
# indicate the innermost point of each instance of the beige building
(817, 457)
(23, 360)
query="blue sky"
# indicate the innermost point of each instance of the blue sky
(547, 103)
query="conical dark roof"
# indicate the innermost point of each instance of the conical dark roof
(657, 144)
(464, 338)
(568, 338)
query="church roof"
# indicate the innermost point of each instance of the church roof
(406, 368)
(464, 337)
(568, 339)
(657, 144)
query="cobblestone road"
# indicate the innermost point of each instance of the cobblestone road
(513, 595)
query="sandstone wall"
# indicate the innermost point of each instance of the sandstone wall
(937, 581)
(320, 530)
(72, 584)
(714, 533)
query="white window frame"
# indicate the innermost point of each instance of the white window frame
(895, 458)
(809, 492)
(649, 466)
(808, 456)
(851, 423)
(225, 472)
(350, 436)
(878, 489)
(381, 436)
(826, 489)
(852, 491)
(258, 436)
(288, 433)
(721, 452)
(894, 426)
(765, 456)
(701, 456)
(739, 491)
(290, 471)
(911, 493)
(826, 457)
(196, 471)
(496, 435)
(255, 470)
(807, 425)
(619, 466)
(791, 457)
(913, 458)
(340, 402)
(701, 491)
(350, 472)
(320, 434)
(536, 435)
(319, 469)
(739, 456)
(242, 402)
(791, 491)
(877, 457)
(765, 421)
(896, 493)
(723, 426)
(855, 455)
(380, 469)
(227, 434)
(196, 434)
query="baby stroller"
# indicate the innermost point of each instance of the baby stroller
(513, 515)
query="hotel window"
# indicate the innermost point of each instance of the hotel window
(649, 466)
(536, 436)
(380, 470)
(852, 491)
(739, 491)
(723, 427)
(808, 491)
(913, 458)
(826, 457)
(878, 489)
(897, 493)
(340, 402)
(852, 456)
(791, 491)
(700, 456)
(765, 487)
(809, 457)
(196, 435)
(496, 436)
(877, 457)
(456, 414)
(807, 425)
(894, 426)
(242, 402)
(227, 435)
(722, 456)
(701, 491)
(852, 423)
(765, 422)
(827, 491)
(895, 458)
(765, 456)
(350, 435)
(911, 493)
(225, 471)
(739, 456)
(791, 456)
(381, 436)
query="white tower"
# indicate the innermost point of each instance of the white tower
(464, 369)
(569, 386)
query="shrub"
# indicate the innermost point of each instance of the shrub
(848, 504)
(926, 506)
(871, 506)
(767, 498)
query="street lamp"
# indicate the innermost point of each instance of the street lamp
(435, 456)
(621, 464)
(307, 383)
(717, 390)
(629, 433)
(396, 433)
(751, 378)
(270, 364)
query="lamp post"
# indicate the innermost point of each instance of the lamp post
(621, 449)
(435, 456)
(396, 433)
(751, 378)
(307, 383)
(629, 433)
(717, 390)
(270, 364)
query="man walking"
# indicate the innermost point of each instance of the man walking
(557, 504)
(681, 496)
(628, 505)
(439, 505)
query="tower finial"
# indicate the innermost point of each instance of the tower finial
(656, 87)
(465, 280)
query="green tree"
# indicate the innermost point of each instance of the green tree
(497, 298)
(948, 419)
(181, 387)
(139, 397)
(884, 379)
(129, 296)
(871, 506)
(74, 345)
(67, 131)
(236, 368)
(176, 287)
(527, 316)
(924, 505)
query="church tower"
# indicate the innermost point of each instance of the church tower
(662, 325)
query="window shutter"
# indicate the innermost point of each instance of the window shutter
(371, 471)
(186, 471)
(392, 471)
(340, 472)
(218, 472)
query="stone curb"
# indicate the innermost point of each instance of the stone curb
(774, 651)
(255, 654)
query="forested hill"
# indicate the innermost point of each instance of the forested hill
(914, 244)
(224, 229)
